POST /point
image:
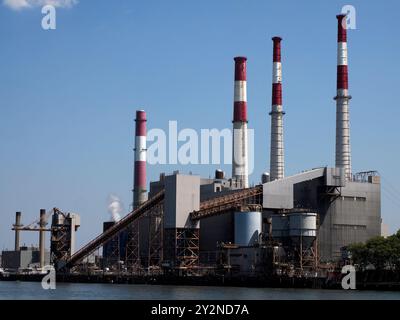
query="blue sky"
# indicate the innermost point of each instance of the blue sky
(68, 96)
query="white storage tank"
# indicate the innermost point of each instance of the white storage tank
(248, 226)
(280, 226)
(303, 227)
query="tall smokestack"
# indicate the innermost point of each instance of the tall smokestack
(139, 188)
(343, 152)
(240, 147)
(277, 161)
(17, 231)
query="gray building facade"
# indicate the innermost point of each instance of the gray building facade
(26, 257)
(348, 214)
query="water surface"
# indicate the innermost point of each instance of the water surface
(78, 291)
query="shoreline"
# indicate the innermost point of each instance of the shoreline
(272, 282)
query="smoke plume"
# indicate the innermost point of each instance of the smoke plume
(115, 207)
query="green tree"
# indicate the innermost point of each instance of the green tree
(381, 252)
(359, 254)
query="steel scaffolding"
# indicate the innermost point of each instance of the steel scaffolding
(111, 253)
(132, 254)
(60, 243)
(156, 236)
(181, 248)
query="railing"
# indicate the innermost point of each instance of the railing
(364, 176)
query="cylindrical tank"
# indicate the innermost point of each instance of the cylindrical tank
(280, 226)
(219, 174)
(265, 177)
(248, 226)
(303, 227)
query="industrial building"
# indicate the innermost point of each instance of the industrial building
(23, 259)
(189, 225)
(62, 241)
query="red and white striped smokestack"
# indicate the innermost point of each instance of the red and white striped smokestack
(240, 143)
(277, 161)
(139, 186)
(343, 150)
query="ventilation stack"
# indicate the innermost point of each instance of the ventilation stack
(343, 151)
(240, 142)
(139, 189)
(16, 226)
(277, 161)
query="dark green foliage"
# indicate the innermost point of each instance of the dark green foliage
(382, 253)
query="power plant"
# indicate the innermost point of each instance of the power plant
(187, 225)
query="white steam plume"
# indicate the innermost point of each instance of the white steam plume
(115, 207)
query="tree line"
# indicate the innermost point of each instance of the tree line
(379, 252)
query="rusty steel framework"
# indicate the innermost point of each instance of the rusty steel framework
(60, 243)
(303, 256)
(228, 202)
(308, 257)
(181, 247)
(156, 236)
(132, 253)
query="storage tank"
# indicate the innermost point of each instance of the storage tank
(248, 226)
(219, 174)
(280, 226)
(265, 177)
(303, 227)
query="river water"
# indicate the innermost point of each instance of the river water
(77, 291)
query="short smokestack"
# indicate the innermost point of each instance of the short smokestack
(343, 151)
(277, 161)
(240, 143)
(17, 225)
(139, 186)
(42, 226)
(219, 174)
(265, 177)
